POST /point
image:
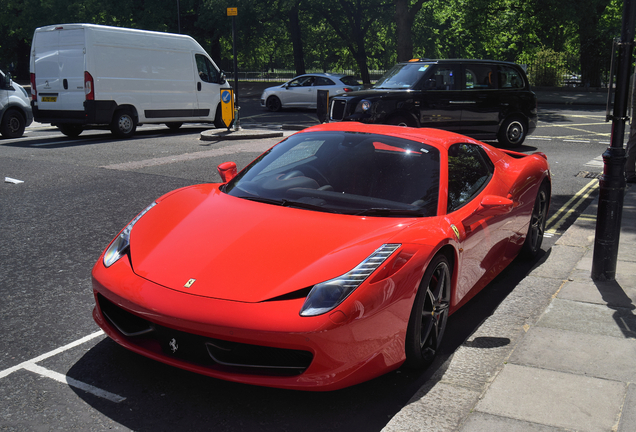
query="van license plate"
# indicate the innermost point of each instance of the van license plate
(49, 98)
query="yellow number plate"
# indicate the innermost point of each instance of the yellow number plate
(49, 98)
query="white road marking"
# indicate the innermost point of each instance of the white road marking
(31, 366)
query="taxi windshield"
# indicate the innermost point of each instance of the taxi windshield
(402, 76)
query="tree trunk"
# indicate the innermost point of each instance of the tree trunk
(403, 22)
(297, 43)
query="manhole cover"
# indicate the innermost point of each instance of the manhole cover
(587, 174)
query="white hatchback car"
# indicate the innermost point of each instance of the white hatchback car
(15, 108)
(302, 91)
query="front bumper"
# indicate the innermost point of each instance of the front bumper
(273, 346)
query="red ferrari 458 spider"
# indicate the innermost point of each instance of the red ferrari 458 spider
(334, 257)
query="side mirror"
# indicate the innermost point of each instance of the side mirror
(222, 78)
(491, 205)
(227, 171)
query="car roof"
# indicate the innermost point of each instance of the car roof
(461, 61)
(325, 74)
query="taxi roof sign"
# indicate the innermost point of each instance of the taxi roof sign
(232, 11)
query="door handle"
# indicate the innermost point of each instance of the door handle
(199, 86)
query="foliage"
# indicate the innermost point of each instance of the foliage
(355, 35)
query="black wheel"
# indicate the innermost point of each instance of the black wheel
(429, 315)
(13, 124)
(273, 104)
(124, 124)
(70, 130)
(174, 125)
(512, 132)
(534, 238)
(401, 121)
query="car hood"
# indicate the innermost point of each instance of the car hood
(240, 250)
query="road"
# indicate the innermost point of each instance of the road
(57, 371)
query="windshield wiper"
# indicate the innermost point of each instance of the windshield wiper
(287, 203)
(382, 211)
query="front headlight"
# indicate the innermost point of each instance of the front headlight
(325, 296)
(119, 246)
(364, 105)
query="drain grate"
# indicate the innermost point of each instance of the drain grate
(587, 174)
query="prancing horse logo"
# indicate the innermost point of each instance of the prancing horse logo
(173, 345)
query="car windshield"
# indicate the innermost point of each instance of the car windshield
(345, 172)
(402, 76)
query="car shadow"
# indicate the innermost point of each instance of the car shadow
(161, 397)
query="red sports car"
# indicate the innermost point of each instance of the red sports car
(333, 258)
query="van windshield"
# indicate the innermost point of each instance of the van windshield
(402, 76)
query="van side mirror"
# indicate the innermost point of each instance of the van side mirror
(222, 78)
(227, 171)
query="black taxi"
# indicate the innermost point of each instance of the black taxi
(484, 99)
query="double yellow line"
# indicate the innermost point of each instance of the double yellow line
(558, 219)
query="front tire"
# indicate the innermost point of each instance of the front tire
(429, 314)
(13, 124)
(534, 238)
(273, 104)
(124, 124)
(513, 132)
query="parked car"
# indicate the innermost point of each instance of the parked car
(88, 76)
(302, 91)
(15, 109)
(483, 99)
(333, 258)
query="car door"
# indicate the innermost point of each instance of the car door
(322, 83)
(299, 92)
(436, 98)
(483, 243)
(479, 100)
(208, 88)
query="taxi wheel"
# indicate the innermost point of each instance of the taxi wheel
(513, 132)
(401, 121)
(429, 314)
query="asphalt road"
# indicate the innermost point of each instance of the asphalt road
(76, 195)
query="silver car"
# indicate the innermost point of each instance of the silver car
(302, 91)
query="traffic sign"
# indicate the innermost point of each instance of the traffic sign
(232, 11)
(227, 107)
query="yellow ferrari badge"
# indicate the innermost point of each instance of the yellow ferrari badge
(456, 231)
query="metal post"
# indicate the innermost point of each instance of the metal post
(237, 124)
(178, 17)
(612, 182)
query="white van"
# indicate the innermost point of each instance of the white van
(85, 75)
(15, 111)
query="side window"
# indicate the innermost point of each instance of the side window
(510, 78)
(479, 77)
(207, 71)
(443, 78)
(469, 169)
(322, 81)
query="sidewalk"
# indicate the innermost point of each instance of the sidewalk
(559, 354)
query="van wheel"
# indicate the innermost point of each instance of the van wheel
(124, 124)
(13, 124)
(512, 133)
(70, 130)
(174, 125)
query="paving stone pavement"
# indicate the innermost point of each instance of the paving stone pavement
(571, 361)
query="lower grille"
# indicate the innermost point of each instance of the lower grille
(203, 351)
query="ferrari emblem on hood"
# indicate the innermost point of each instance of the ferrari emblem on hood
(189, 283)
